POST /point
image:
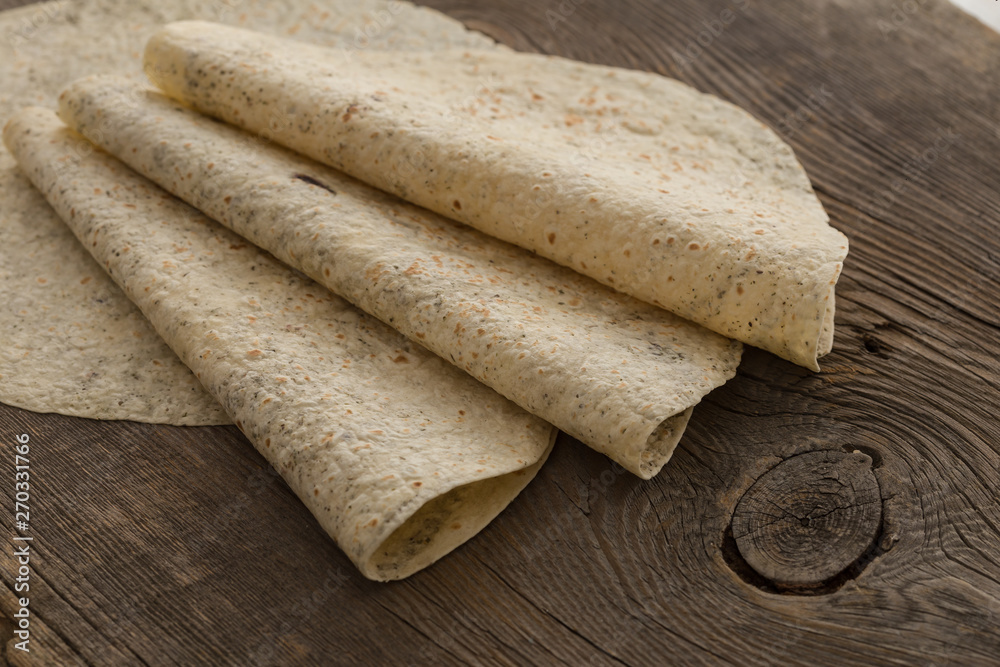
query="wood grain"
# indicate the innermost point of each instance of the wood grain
(809, 518)
(161, 545)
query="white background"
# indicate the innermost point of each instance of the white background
(987, 11)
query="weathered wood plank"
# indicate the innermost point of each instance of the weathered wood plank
(150, 552)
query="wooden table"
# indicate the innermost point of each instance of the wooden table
(166, 545)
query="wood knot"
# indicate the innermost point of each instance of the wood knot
(809, 518)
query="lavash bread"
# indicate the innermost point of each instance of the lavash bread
(616, 373)
(641, 182)
(400, 456)
(72, 343)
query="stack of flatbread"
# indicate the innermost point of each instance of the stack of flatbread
(398, 273)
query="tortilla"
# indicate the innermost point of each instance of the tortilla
(675, 197)
(618, 374)
(400, 456)
(72, 342)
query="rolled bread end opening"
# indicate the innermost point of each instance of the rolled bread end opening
(825, 343)
(444, 523)
(661, 443)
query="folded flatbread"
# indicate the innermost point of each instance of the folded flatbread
(638, 181)
(616, 373)
(72, 343)
(399, 455)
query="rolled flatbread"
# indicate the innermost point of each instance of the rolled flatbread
(72, 342)
(672, 196)
(616, 373)
(400, 456)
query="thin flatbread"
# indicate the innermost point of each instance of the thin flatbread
(72, 343)
(400, 456)
(673, 196)
(618, 374)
